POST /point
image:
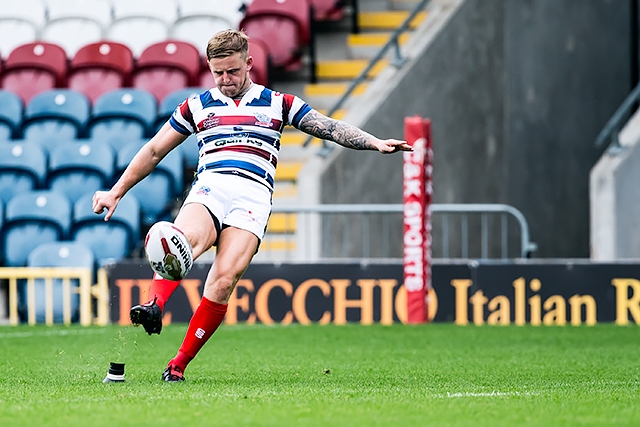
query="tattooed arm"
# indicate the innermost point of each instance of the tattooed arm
(347, 135)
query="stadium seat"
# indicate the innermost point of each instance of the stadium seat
(23, 168)
(141, 23)
(284, 25)
(157, 191)
(100, 67)
(78, 168)
(10, 115)
(34, 68)
(57, 114)
(199, 20)
(56, 254)
(72, 24)
(260, 72)
(123, 113)
(20, 22)
(109, 240)
(165, 67)
(189, 147)
(31, 219)
(328, 10)
(170, 102)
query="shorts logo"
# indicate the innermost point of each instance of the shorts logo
(263, 120)
(249, 215)
(203, 190)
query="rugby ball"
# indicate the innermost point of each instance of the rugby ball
(168, 251)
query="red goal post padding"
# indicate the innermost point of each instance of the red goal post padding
(417, 196)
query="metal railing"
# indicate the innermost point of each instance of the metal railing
(610, 134)
(375, 231)
(397, 61)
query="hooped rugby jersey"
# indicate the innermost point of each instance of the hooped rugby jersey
(241, 139)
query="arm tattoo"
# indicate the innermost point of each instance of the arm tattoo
(342, 133)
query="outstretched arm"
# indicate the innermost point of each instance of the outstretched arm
(347, 135)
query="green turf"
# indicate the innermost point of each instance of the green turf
(353, 375)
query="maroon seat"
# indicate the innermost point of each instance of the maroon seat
(259, 73)
(328, 10)
(34, 68)
(165, 67)
(100, 67)
(284, 25)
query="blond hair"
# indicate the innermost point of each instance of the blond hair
(226, 43)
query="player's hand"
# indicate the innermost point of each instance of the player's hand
(104, 200)
(389, 146)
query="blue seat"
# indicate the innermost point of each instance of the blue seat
(23, 167)
(31, 219)
(171, 101)
(56, 254)
(77, 168)
(157, 192)
(10, 114)
(109, 240)
(56, 114)
(129, 112)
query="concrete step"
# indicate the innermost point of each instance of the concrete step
(325, 95)
(288, 171)
(388, 20)
(347, 69)
(282, 223)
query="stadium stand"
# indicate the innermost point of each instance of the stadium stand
(198, 20)
(189, 146)
(56, 254)
(34, 68)
(100, 67)
(158, 190)
(124, 113)
(328, 10)
(284, 26)
(31, 219)
(109, 240)
(58, 114)
(10, 115)
(79, 168)
(20, 23)
(23, 168)
(165, 67)
(141, 23)
(72, 24)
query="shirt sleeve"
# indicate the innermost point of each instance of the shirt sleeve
(182, 119)
(295, 108)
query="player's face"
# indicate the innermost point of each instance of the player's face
(231, 73)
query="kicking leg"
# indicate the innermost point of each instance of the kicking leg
(236, 248)
(196, 223)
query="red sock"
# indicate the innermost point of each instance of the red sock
(203, 324)
(161, 290)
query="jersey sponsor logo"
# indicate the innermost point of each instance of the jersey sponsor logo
(209, 122)
(263, 120)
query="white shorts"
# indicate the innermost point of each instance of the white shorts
(233, 200)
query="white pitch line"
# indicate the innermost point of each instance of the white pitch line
(486, 394)
(51, 333)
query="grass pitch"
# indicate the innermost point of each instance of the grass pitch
(438, 374)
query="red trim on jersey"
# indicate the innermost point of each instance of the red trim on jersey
(185, 112)
(213, 121)
(287, 103)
